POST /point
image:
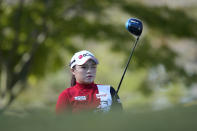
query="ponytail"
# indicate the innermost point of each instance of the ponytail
(73, 81)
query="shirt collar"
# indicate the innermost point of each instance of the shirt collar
(85, 86)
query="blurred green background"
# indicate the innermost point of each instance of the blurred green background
(39, 37)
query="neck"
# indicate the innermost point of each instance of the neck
(85, 85)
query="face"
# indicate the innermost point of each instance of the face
(86, 73)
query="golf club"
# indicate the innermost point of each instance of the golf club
(134, 26)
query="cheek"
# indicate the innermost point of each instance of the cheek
(94, 71)
(79, 74)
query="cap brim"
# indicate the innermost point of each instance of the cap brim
(89, 58)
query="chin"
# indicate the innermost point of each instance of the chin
(88, 82)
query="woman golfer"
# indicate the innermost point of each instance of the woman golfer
(84, 94)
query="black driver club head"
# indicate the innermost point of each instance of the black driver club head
(134, 26)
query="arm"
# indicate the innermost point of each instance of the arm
(62, 103)
(116, 104)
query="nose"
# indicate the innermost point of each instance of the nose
(89, 69)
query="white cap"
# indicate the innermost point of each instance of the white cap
(81, 58)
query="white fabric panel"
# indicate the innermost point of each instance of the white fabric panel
(105, 97)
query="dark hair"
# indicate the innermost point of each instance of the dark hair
(73, 79)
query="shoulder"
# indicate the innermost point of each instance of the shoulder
(109, 87)
(63, 93)
(112, 90)
(101, 86)
(67, 91)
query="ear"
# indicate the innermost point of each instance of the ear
(72, 71)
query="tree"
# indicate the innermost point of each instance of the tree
(33, 33)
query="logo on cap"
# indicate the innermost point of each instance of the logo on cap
(80, 56)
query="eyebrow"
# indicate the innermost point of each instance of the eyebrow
(88, 65)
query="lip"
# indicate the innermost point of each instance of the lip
(89, 76)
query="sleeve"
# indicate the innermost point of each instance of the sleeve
(116, 103)
(62, 103)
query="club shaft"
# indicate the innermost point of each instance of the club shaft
(131, 54)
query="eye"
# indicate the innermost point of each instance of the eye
(87, 67)
(84, 67)
(93, 67)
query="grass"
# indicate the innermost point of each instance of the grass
(180, 118)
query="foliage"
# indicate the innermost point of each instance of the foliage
(35, 34)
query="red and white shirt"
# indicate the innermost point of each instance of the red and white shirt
(88, 97)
